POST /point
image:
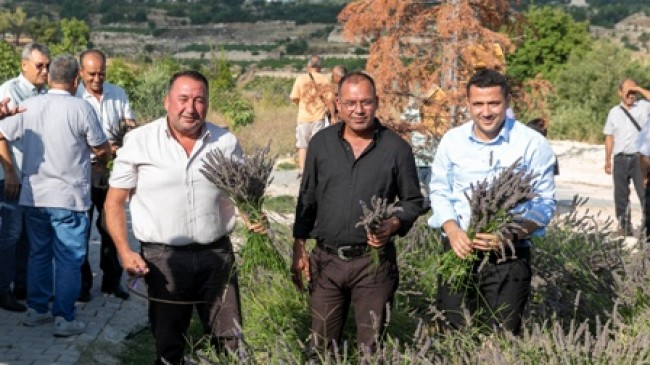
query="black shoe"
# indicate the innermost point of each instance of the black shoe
(85, 297)
(9, 302)
(20, 292)
(118, 292)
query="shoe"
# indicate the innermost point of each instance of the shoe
(63, 328)
(20, 293)
(9, 302)
(118, 292)
(33, 318)
(85, 297)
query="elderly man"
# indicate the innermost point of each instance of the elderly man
(14, 247)
(470, 153)
(311, 93)
(352, 161)
(112, 107)
(624, 122)
(181, 219)
(59, 131)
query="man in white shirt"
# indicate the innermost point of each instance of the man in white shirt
(181, 219)
(113, 110)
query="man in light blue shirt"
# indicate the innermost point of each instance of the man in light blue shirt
(14, 248)
(466, 155)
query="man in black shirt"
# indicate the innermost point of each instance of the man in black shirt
(347, 163)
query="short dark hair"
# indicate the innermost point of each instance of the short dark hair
(64, 69)
(354, 77)
(539, 125)
(489, 78)
(192, 74)
(89, 52)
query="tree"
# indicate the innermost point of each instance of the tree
(17, 22)
(43, 30)
(9, 61)
(550, 36)
(427, 52)
(75, 37)
(587, 88)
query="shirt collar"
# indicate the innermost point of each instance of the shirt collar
(375, 134)
(205, 132)
(504, 133)
(58, 92)
(29, 85)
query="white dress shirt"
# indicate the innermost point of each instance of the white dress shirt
(171, 201)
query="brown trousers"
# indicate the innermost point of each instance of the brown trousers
(335, 284)
(204, 274)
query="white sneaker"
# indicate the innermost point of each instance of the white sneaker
(33, 318)
(63, 328)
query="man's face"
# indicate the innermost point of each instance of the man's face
(487, 106)
(186, 105)
(35, 68)
(627, 93)
(357, 104)
(93, 73)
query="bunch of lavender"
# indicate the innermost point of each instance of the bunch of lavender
(372, 219)
(491, 204)
(245, 181)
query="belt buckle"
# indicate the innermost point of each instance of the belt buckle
(340, 251)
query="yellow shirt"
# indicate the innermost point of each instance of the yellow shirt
(311, 96)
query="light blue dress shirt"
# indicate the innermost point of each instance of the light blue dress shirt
(462, 159)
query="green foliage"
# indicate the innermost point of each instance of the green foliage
(271, 91)
(119, 73)
(150, 89)
(75, 37)
(297, 47)
(9, 62)
(225, 98)
(550, 37)
(43, 30)
(587, 88)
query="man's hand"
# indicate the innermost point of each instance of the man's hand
(458, 240)
(12, 185)
(608, 167)
(259, 226)
(382, 235)
(300, 265)
(133, 263)
(6, 111)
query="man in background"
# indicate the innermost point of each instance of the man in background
(58, 131)
(310, 92)
(114, 112)
(624, 122)
(14, 247)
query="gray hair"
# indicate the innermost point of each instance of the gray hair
(64, 69)
(31, 47)
(314, 62)
(620, 84)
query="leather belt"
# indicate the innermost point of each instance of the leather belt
(345, 252)
(220, 243)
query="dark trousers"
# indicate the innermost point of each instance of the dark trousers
(336, 283)
(497, 294)
(626, 168)
(203, 274)
(108, 258)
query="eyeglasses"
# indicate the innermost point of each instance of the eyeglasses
(352, 104)
(41, 65)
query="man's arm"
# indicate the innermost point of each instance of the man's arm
(12, 183)
(638, 89)
(116, 227)
(609, 144)
(102, 152)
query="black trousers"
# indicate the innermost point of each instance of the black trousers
(108, 258)
(336, 284)
(626, 168)
(202, 274)
(497, 294)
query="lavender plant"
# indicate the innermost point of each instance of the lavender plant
(371, 219)
(245, 182)
(491, 204)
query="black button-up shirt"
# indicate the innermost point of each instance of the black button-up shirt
(334, 183)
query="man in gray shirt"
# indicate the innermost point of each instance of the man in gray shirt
(14, 248)
(58, 132)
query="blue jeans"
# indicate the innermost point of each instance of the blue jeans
(11, 222)
(59, 234)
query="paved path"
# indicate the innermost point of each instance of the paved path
(109, 320)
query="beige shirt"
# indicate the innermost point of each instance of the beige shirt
(171, 201)
(310, 95)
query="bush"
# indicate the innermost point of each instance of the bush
(298, 47)
(9, 62)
